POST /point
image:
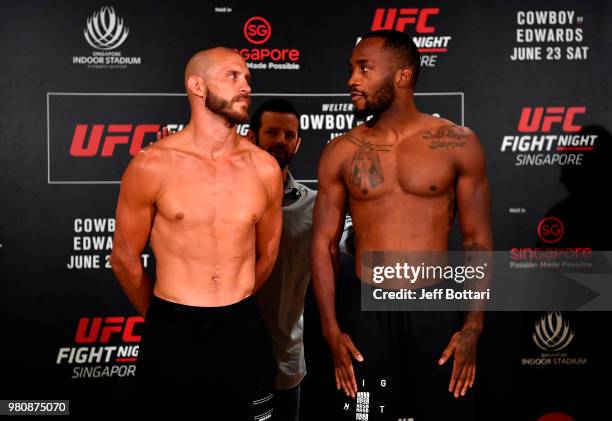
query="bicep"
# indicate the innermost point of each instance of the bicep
(269, 226)
(473, 195)
(135, 209)
(330, 205)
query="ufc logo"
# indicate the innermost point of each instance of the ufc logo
(539, 119)
(100, 329)
(406, 17)
(86, 141)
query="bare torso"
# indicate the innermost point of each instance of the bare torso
(401, 188)
(203, 233)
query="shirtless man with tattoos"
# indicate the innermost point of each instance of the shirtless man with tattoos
(403, 176)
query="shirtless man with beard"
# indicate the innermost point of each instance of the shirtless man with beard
(402, 175)
(209, 201)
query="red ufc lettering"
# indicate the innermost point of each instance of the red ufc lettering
(94, 330)
(568, 121)
(78, 148)
(139, 135)
(537, 119)
(82, 336)
(117, 134)
(128, 332)
(111, 141)
(406, 17)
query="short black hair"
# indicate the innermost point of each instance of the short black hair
(275, 105)
(403, 47)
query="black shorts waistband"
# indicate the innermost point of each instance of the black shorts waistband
(245, 309)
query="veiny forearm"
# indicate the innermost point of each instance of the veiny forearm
(134, 280)
(324, 264)
(478, 248)
(263, 268)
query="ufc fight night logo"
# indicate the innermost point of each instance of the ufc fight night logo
(418, 21)
(105, 347)
(549, 135)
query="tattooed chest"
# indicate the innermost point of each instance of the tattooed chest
(378, 169)
(371, 168)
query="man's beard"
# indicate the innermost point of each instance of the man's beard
(223, 107)
(281, 154)
(380, 102)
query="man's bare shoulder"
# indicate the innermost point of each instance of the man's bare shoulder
(338, 152)
(446, 134)
(147, 167)
(460, 142)
(172, 143)
(265, 164)
(260, 157)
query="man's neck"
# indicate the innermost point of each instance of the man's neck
(211, 133)
(399, 117)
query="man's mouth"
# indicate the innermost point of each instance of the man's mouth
(244, 100)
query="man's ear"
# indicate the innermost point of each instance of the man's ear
(197, 86)
(297, 145)
(404, 79)
(251, 136)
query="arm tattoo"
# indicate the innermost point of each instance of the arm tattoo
(366, 170)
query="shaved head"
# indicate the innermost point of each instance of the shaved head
(221, 77)
(202, 61)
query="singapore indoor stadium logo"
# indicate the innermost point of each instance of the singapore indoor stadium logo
(552, 333)
(105, 30)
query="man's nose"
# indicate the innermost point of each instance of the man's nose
(246, 88)
(353, 80)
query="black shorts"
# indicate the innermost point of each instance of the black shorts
(217, 362)
(400, 378)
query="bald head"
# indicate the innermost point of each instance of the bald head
(217, 81)
(203, 61)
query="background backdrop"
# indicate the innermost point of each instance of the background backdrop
(86, 84)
